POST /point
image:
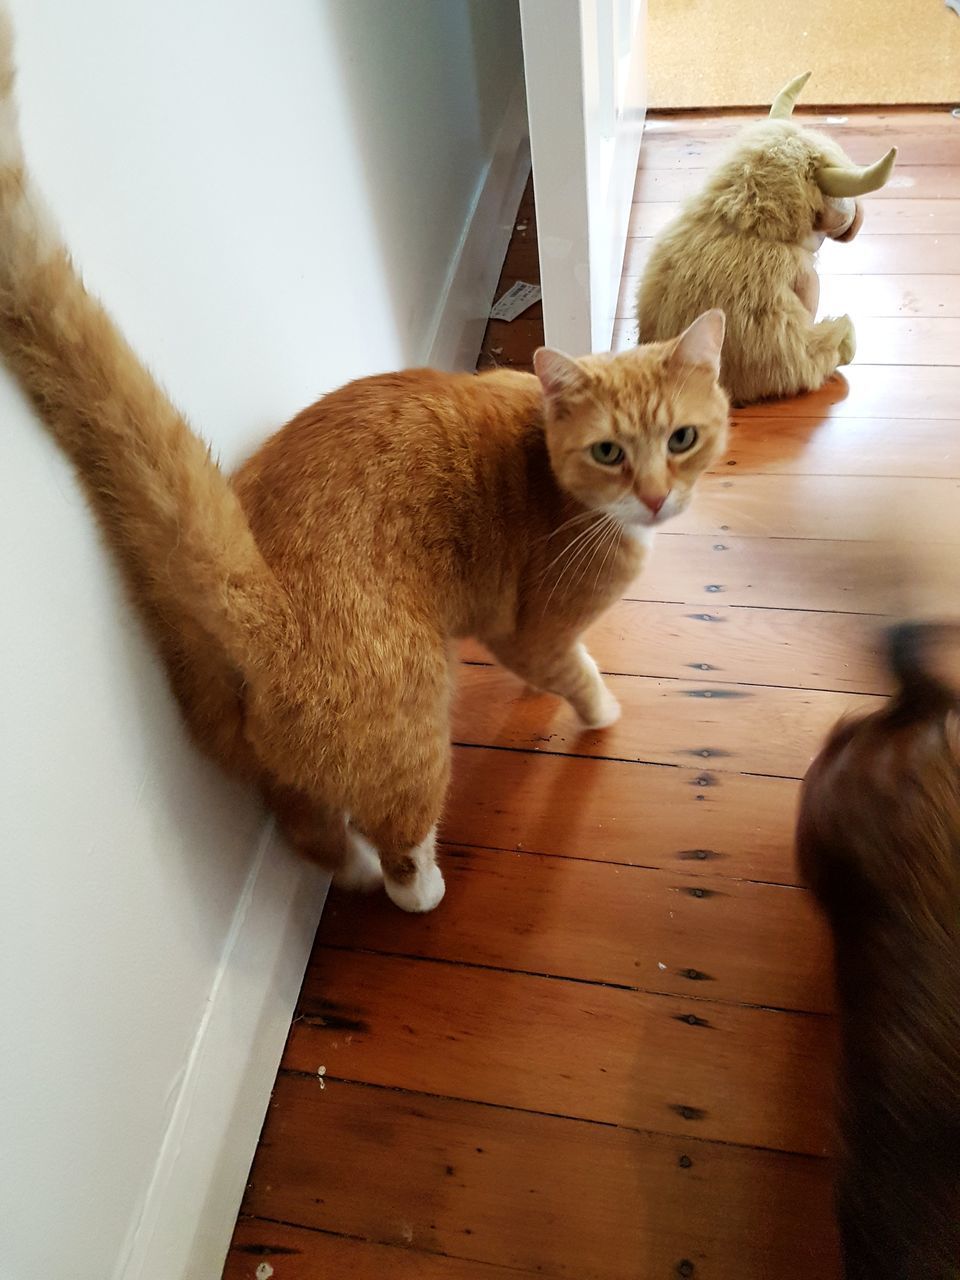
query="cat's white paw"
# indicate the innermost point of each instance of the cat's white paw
(424, 892)
(361, 870)
(605, 713)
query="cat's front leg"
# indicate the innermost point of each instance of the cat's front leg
(577, 678)
(572, 674)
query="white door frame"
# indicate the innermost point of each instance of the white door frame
(584, 62)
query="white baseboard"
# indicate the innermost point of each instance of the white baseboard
(464, 306)
(189, 1213)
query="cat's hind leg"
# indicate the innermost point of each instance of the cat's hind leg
(399, 820)
(325, 835)
(361, 868)
(411, 876)
(381, 758)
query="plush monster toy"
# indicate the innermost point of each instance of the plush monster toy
(747, 243)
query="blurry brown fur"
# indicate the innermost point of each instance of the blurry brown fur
(747, 242)
(879, 843)
(305, 610)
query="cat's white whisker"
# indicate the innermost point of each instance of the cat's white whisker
(577, 550)
(597, 532)
(581, 515)
(602, 544)
(615, 545)
(568, 547)
(584, 562)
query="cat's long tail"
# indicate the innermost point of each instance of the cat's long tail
(166, 509)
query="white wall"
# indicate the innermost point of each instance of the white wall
(272, 198)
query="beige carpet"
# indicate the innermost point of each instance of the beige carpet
(737, 53)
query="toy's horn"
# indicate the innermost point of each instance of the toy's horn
(838, 180)
(786, 99)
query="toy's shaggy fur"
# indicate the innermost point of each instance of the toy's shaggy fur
(879, 843)
(746, 243)
(305, 609)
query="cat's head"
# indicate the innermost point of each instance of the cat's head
(630, 434)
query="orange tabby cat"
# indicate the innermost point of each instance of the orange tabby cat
(305, 610)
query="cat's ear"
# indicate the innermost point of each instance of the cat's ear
(559, 374)
(702, 342)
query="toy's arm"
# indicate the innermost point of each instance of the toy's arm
(854, 226)
(840, 218)
(807, 289)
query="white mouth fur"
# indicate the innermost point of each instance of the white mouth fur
(636, 518)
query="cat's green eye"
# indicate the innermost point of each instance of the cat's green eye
(606, 453)
(683, 439)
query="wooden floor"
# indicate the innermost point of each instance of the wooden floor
(608, 1055)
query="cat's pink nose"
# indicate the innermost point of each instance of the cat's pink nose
(653, 501)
